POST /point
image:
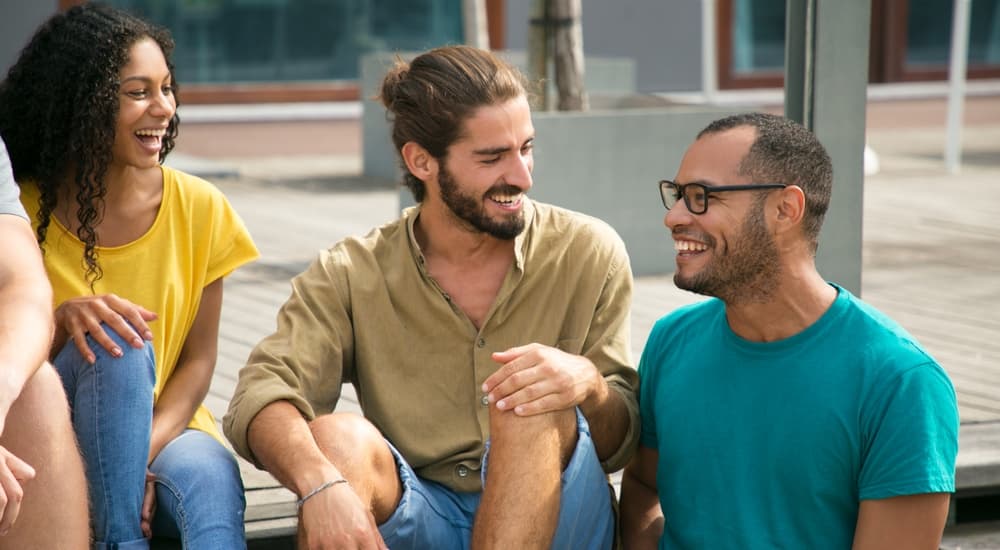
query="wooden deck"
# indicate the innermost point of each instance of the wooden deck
(931, 261)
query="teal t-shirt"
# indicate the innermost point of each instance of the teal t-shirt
(773, 445)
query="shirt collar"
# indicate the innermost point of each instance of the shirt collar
(411, 214)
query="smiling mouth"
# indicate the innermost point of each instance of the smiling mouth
(151, 137)
(689, 246)
(507, 200)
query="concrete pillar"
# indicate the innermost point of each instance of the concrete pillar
(826, 78)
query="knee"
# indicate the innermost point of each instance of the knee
(135, 366)
(507, 425)
(195, 460)
(143, 353)
(529, 432)
(42, 398)
(136, 359)
(39, 416)
(43, 384)
(348, 435)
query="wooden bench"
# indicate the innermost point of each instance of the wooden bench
(270, 515)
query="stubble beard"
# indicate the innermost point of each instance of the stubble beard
(746, 272)
(472, 211)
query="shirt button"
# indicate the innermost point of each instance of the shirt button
(481, 342)
(462, 470)
(485, 400)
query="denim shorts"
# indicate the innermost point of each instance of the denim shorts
(431, 515)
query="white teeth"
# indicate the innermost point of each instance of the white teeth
(151, 132)
(689, 246)
(506, 199)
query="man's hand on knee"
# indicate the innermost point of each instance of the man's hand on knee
(536, 379)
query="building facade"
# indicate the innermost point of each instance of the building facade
(232, 51)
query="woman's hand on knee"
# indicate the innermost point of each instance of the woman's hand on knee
(148, 505)
(77, 317)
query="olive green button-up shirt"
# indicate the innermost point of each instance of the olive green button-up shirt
(367, 312)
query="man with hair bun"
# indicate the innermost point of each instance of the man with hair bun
(486, 335)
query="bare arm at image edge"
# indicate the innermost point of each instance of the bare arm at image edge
(641, 517)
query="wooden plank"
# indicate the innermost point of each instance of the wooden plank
(270, 503)
(271, 528)
(977, 465)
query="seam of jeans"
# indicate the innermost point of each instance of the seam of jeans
(106, 491)
(181, 513)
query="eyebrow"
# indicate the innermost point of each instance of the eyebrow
(141, 78)
(702, 182)
(490, 151)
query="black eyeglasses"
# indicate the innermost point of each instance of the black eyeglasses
(696, 194)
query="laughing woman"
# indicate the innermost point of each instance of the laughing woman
(136, 253)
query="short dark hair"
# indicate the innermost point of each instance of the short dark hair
(429, 98)
(59, 105)
(784, 151)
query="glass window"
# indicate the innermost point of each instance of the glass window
(225, 41)
(928, 40)
(758, 36)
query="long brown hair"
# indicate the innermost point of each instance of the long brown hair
(430, 97)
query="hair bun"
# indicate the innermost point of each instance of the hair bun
(392, 84)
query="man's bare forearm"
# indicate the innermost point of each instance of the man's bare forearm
(641, 516)
(26, 315)
(608, 417)
(642, 522)
(282, 442)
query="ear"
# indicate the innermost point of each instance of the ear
(791, 207)
(419, 162)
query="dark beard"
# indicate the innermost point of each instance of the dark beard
(473, 212)
(745, 272)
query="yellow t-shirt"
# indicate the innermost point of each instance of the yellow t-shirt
(195, 239)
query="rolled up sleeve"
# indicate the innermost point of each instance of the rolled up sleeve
(304, 361)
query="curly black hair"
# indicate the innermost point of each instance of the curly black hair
(59, 105)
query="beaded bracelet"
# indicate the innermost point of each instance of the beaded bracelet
(317, 490)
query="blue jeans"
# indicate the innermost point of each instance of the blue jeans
(199, 490)
(430, 515)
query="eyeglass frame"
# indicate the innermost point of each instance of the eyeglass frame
(666, 191)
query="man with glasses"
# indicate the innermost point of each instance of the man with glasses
(783, 412)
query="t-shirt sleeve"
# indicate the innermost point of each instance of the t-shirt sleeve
(306, 359)
(232, 245)
(9, 203)
(911, 436)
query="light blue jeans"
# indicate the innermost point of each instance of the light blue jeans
(430, 515)
(199, 491)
